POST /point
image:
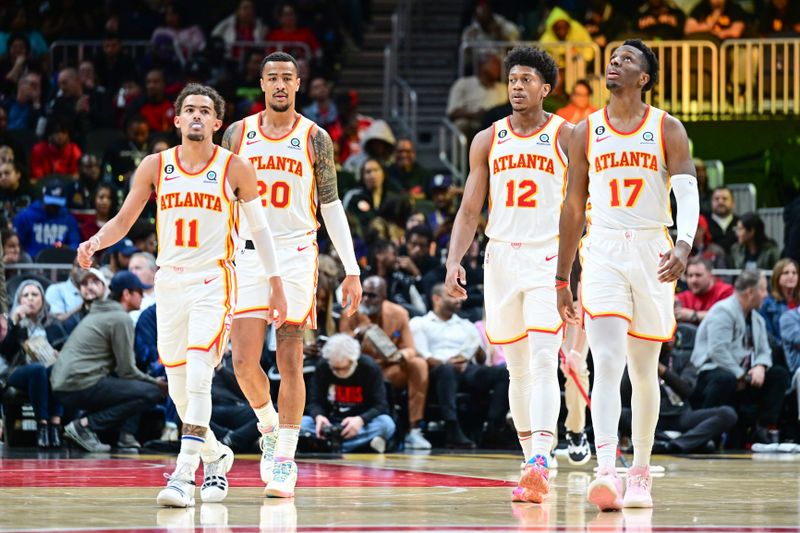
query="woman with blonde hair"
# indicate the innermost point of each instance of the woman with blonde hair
(784, 294)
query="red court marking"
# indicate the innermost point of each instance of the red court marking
(510, 527)
(142, 473)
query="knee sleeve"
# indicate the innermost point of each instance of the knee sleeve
(199, 373)
(519, 386)
(645, 398)
(608, 341)
(545, 402)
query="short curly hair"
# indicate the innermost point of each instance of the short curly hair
(535, 58)
(202, 90)
(650, 59)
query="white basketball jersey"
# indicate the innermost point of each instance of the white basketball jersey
(285, 177)
(628, 179)
(197, 216)
(527, 181)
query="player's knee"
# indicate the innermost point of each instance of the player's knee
(244, 364)
(199, 373)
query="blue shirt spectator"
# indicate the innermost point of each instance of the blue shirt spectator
(784, 295)
(144, 343)
(47, 222)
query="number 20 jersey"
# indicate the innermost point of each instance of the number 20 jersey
(628, 179)
(285, 177)
(527, 182)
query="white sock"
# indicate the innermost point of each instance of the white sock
(287, 442)
(645, 397)
(542, 443)
(267, 417)
(526, 442)
(608, 339)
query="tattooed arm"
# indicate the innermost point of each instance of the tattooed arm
(232, 137)
(334, 217)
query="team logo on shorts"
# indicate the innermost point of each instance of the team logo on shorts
(599, 130)
(169, 169)
(502, 133)
(251, 134)
(211, 177)
(295, 143)
(544, 138)
(648, 136)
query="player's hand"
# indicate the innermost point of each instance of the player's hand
(757, 374)
(351, 426)
(673, 263)
(351, 294)
(565, 306)
(86, 250)
(455, 280)
(277, 301)
(572, 362)
(321, 423)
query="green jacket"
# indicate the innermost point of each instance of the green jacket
(767, 257)
(100, 345)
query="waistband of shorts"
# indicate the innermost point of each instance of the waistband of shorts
(627, 234)
(204, 267)
(540, 244)
(285, 243)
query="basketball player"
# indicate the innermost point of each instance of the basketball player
(520, 162)
(626, 157)
(197, 185)
(293, 158)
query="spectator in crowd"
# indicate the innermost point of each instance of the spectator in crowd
(603, 22)
(406, 172)
(488, 26)
(580, 103)
(15, 193)
(92, 286)
(347, 398)
(289, 31)
(723, 221)
(100, 346)
(80, 196)
(328, 314)
(702, 186)
(441, 218)
(88, 76)
(12, 254)
(122, 157)
(365, 203)
(114, 66)
(19, 23)
(693, 304)
(154, 106)
(790, 333)
(719, 19)
(56, 155)
(29, 351)
(232, 419)
(705, 248)
(451, 346)
(784, 295)
(472, 307)
(661, 19)
(471, 96)
(377, 142)
(104, 202)
(753, 248)
(189, 39)
(697, 428)
(47, 222)
(402, 289)
(14, 64)
(563, 28)
(118, 257)
(322, 109)
(79, 109)
(417, 261)
(249, 96)
(734, 359)
(64, 297)
(25, 110)
(143, 266)
(143, 236)
(242, 26)
(391, 344)
(67, 19)
(780, 18)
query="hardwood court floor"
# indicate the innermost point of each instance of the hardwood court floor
(436, 492)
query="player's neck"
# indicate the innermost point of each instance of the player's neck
(278, 120)
(526, 122)
(626, 105)
(195, 154)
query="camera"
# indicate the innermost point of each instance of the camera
(333, 436)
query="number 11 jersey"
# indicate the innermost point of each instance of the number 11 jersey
(527, 183)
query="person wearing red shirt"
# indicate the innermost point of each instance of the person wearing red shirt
(157, 110)
(56, 155)
(289, 31)
(704, 291)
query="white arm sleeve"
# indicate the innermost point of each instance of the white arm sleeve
(262, 236)
(339, 232)
(685, 188)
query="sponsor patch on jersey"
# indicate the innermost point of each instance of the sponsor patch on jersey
(648, 138)
(543, 139)
(294, 144)
(211, 177)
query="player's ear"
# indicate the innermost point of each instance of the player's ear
(261, 83)
(217, 124)
(177, 120)
(546, 88)
(645, 79)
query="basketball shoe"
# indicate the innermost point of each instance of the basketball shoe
(284, 478)
(638, 485)
(606, 490)
(215, 476)
(268, 442)
(179, 491)
(578, 449)
(534, 484)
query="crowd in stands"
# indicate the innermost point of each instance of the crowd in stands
(413, 365)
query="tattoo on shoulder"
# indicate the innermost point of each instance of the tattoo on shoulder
(324, 166)
(227, 137)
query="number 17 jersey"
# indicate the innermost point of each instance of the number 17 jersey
(527, 182)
